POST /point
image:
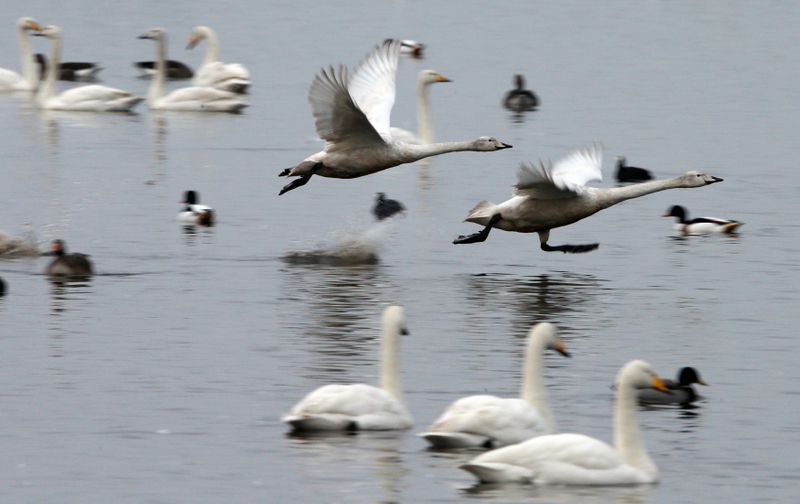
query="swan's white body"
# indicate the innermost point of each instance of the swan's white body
(553, 195)
(232, 77)
(193, 98)
(91, 98)
(490, 422)
(351, 113)
(360, 406)
(425, 134)
(29, 80)
(575, 459)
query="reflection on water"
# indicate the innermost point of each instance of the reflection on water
(639, 494)
(64, 290)
(527, 300)
(193, 233)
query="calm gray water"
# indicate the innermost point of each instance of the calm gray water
(163, 378)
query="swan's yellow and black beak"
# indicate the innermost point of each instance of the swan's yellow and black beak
(657, 383)
(715, 179)
(560, 348)
(193, 41)
(441, 78)
(35, 26)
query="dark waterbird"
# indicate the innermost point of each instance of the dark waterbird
(520, 99)
(64, 264)
(627, 173)
(175, 69)
(69, 70)
(681, 390)
(701, 225)
(385, 207)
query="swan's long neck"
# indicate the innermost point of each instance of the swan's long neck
(533, 390)
(212, 50)
(390, 372)
(423, 113)
(411, 153)
(156, 90)
(26, 54)
(627, 433)
(48, 89)
(607, 197)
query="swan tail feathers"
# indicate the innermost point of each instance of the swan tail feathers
(456, 440)
(497, 472)
(320, 422)
(483, 210)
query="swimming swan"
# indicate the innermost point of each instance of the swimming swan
(555, 195)
(425, 136)
(11, 80)
(197, 98)
(701, 225)
(232, 77)
(90, 98)
(490, 422)
(360, 406)
(351, 113)
(575, 459)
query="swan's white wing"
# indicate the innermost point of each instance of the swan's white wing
(215, 71)
(566, 178)
(92, 93)
(199, 93)
(336, 116)
(8, 78)
(372, 85)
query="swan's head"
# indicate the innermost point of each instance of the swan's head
(153, 34)
(394, 320)
(676, 211)
(427, 77)
(638, 375)
(519, 81)
(49, 31)
(199, 33)
(546, 335)
(689, 375)
(697, 179)
(28, 24)
(191, 198)
(486, 143)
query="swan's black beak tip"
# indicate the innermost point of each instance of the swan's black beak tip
(716, 179)
(505, 145)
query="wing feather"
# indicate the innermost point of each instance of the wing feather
(563, 179)
(372, 85)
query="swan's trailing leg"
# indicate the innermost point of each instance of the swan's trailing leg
(301, 180)
(567, 249)
(481, 235)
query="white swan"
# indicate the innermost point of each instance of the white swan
(232, 77)
(490, 422)
(425, 136)
(360, 406)
(198, 98)
(11, 80)
(554, 195)
(575, 459)
(351, 113)
(92, 98)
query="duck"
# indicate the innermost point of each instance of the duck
(29, 80)
(351, 112)
(410, 47)
(360, 406)
(385, 207)
(681, 390)
(425, 136)
(520, 99)
(176, 70)
(627, 173)
(487, 421)
(195, 213)
(701, 225)
(577, 459)
(232, 77)
(553, 195)
(192, 98)
(2, 287)
(69, 71)
(88, 98)
(64, 264)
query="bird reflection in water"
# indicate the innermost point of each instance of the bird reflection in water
(65, 290)
(639, 494)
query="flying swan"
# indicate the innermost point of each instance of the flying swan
(91, 98)
(351, 113)
(360, 406)
(550, 195)
(575, 459)
(488, 421)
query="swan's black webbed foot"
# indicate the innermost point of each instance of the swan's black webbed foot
(481, 235)
(294, 184)
(285, 173)
(570, 249)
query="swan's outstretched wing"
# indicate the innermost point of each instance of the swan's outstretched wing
(564, 179)
(372, 85)
(337, 117)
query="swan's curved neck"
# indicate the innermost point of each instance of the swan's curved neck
(411, 153)
(212, 50)
(156, 90)
(612, 195)
(423, 113)
(48, 89)
(390, 372)
(627, 433)
(533, 390)
(29, 72)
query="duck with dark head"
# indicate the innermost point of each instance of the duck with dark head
(64, 264)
